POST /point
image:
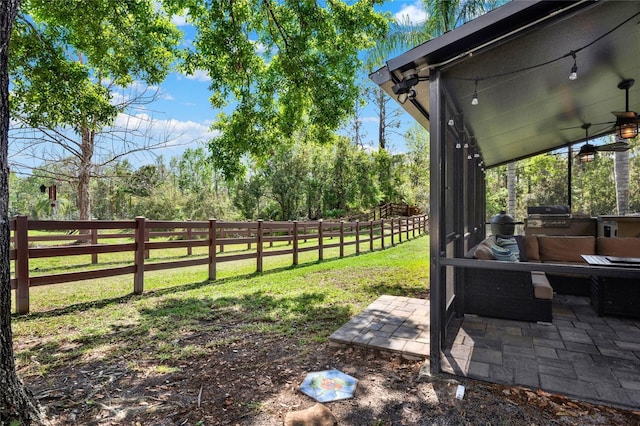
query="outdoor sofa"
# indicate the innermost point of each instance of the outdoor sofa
(527, 296)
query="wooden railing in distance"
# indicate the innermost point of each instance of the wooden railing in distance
(140, 236)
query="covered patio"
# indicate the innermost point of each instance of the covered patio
(586, 357)
(521, 80)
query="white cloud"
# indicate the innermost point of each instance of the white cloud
(415, 14)
(138, 89)
(260, 48)
(179, 20)
(370, 119)
(199, 75)
(167, 132)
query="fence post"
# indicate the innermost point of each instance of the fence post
(295, 242)
(189, 237)
(382, 233)
(342, 238)
(357, 236)
(320, 241)
(371, 235)
(94, 241)
(413, 226)
(406, 223)
(140, 255)
(399, 230)
(221, 236)
(259, 247)
(391, 222)
(21, 238)
(212, 249)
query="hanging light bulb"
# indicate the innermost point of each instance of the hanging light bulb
(458, 146)
(574, 69)
(466, 145)
(474, 100)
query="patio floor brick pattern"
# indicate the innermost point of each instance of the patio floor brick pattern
(580, 355)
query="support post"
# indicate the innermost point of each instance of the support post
(342, 238)
(406, 222)
(382, 233)
(212, 250)
(393, 241)
(295, 242)
(21, 238)
(259, 247)
(357, 236)
(140, 255)
(189, 237)
(371, 235)
(320, 241)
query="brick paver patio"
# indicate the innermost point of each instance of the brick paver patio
(581, 355)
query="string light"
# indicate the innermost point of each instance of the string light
(474, 100)
(574, 68)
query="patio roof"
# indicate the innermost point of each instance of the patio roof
(518, 58)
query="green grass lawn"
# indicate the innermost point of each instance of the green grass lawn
(78, 322)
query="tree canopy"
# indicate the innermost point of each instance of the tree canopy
(277, 67)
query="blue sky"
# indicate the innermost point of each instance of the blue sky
(183, 110)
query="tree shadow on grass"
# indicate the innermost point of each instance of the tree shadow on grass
(103, 303)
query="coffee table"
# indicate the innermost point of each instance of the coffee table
(615, 295)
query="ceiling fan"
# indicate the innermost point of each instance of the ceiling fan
(626, 125)
(588, 151)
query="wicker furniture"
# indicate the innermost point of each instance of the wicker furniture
(504, 294)
(616, 296)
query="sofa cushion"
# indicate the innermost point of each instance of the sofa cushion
(565, 248)
(531, 248)
(541, 287)
(622, 247)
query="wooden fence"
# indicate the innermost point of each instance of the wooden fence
(386, 211)
(142, 235)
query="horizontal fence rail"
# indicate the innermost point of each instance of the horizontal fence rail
(220, 238)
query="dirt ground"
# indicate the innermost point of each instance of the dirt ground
(255, 382)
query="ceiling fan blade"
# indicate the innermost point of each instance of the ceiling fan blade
(615, 147)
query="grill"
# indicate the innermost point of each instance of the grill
(557, 220)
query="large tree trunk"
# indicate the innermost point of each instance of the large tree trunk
(621, 167)
(382, 123)
(16, 403)
(84, 174)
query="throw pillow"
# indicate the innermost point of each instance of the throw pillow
(510, 244)
(483, 253)
(504, 254)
